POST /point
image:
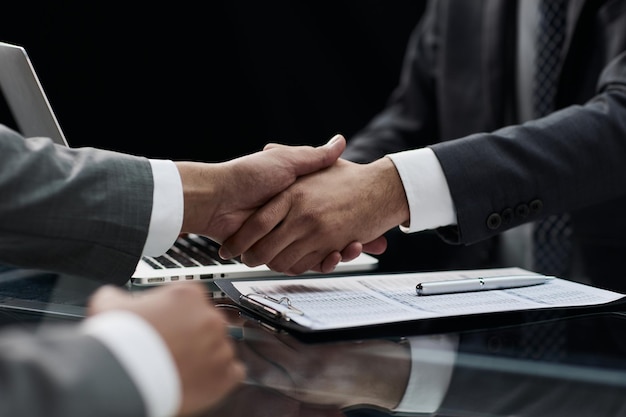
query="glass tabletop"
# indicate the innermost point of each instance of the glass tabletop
(573, 366)
(568, 366)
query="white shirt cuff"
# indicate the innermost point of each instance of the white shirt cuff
(143, 354)
(426, 188)
(167, 208)
(430, 376)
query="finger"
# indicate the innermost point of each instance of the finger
(330, 262)
(258, 225)
(298, 257)
(269, 248)
(106, 298)
(308, 263)
(377, 246)
(273, 245)
(351, 252)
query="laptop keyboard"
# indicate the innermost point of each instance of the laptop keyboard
(189, 250)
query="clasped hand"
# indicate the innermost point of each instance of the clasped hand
(323, 217)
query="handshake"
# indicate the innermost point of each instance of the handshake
(294, 208)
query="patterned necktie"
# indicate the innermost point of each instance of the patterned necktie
(552, 235)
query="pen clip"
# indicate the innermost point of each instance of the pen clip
(264, 304)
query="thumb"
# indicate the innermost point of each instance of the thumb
(273, 145)
(335, 140)
(334, 147)
(321, 157)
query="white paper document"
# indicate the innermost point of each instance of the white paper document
(352, 301)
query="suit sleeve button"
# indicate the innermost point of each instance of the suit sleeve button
(494, 221)
(522, 211)
(507, 215)
(536, 206)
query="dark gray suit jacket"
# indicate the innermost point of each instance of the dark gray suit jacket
(458, 81)
(82, 212)
(69, 211)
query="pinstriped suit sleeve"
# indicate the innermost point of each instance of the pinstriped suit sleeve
(82, 211)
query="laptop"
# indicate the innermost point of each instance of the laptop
(192, 257)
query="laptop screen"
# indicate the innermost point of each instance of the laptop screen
(30, 111)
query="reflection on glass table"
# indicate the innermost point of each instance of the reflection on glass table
(39, 296)
(571, 367)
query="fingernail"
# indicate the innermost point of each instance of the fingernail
(224, 253)
(334, 139)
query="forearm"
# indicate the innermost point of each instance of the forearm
(92, 203)
(566, 161)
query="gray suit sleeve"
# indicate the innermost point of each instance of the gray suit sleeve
(83, 211)
(61, 373)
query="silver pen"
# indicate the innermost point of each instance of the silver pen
(479, 284)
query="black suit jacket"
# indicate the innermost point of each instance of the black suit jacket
(458, 81)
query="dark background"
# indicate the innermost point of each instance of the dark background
(215, 81)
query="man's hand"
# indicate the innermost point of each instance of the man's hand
(194, 332)
(320, 214)
(218, 198)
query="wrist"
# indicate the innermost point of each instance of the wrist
(201, 190)
(393, 203)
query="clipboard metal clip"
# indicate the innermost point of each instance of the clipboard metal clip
(264, 304)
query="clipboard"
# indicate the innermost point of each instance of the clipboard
(263, 301)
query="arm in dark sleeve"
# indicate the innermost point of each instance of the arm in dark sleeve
(569, 160)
